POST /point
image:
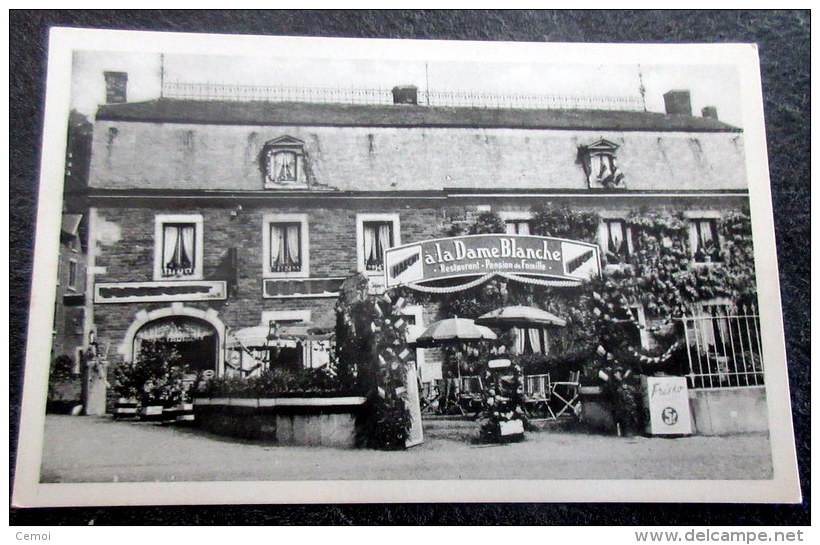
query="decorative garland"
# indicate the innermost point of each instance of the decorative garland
(488, 276)
(451, 289)
(653, 360)
(538, 282)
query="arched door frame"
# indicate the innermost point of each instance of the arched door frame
(211, 316)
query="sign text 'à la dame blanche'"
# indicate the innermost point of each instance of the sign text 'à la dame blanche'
(482, 254)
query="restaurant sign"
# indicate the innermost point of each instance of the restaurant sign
(478, 255)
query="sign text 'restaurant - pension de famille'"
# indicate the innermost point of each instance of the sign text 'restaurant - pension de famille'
(482, 254)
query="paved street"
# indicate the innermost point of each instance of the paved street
(99, 449)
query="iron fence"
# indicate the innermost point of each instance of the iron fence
(341, 95)
(724, 347)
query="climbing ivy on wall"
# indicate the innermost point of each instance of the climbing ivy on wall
(664, 276)
(563, 222)
(660, 274)
(372, 352)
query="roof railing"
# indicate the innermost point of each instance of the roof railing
(341, 95)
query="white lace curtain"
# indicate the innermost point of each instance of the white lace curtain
(284, 166)
(518, 227)
(616, 237)
(702, 237)
(285, 251)
(178, 249)
(378, 236)
(603, 169)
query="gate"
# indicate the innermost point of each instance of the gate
(723, 346)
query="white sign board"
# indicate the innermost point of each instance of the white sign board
(416, 432)
(667, 399)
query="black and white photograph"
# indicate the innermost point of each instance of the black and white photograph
(288, 270)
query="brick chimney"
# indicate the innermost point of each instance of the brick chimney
(116, 84)
(405, 94)
(709, 112)
(678, 102)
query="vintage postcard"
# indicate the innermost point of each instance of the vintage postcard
(300, 270)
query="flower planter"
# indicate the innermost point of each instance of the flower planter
(126, 408)
(308, 421)
(153, 413)
(184, 413)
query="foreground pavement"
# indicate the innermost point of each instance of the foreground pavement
(99, 449)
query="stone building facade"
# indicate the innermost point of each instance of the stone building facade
(211, 218)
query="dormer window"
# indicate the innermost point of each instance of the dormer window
(601, 165)
(283, 163)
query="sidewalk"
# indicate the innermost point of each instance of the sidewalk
(99, 449)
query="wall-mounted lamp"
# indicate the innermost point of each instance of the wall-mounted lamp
(235, 212)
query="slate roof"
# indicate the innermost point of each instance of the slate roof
(406, 116)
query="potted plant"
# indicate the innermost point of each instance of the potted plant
(126, 388)
(158, 380)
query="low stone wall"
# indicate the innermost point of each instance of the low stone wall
(725, 411)
(329, 421)
(64, 396)
(717, 411)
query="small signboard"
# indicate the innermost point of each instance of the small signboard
(667, 399)
(475, 255)
(160, 292)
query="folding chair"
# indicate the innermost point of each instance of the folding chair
(471, 384)
(568, 392)
(538, 392)
(451, 397)
(429, 398)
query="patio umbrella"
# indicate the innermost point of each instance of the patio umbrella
(250, 337)
(520, 316)
(452, 331)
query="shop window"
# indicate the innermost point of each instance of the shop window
(375, 234)
(285, 239)
(601, 165)
(712, 324)
(704, 240)
(178, 247)
(283, 163)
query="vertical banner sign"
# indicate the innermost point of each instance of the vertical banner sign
(667, 399)
(476, 255)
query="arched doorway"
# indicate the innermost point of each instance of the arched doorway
(194, 339)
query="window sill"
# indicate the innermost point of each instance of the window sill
(178, 278)
(285, 275)
(287, 185)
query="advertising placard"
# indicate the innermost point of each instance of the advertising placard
(667, 399)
